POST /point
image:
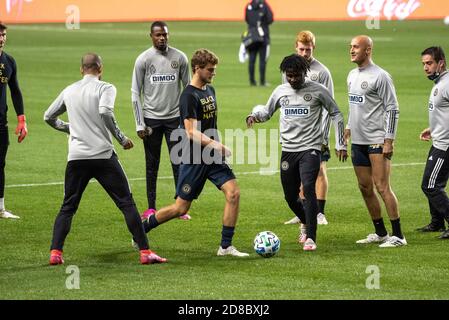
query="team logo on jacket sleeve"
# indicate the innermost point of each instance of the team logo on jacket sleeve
(435, 93)
(314, 77)
(174, 64)
(284, 101)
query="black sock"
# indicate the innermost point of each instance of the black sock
(396, 224)
(226, 236)
(321, 204)
(380, 227)
(150, 223)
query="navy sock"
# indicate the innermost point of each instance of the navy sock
(321, 204)
(150, 223)
(380, 227)
(396, 224)
(226, 236)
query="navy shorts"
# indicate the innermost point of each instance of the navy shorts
(360, 153)
(192, 178)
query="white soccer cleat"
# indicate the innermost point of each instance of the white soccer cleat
(7, 215)
(393, 241)
(293, 220)
(231, 251)
(321, 219)
(309, 245)
(373, 238)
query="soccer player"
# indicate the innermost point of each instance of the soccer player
(305, 47)
(301, 102)
(8, 76)
(436, 172)
(258, 16)
(202, 153)
(372, 125)
(160, 73)
(90, 107)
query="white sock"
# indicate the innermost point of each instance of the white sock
(2, 204)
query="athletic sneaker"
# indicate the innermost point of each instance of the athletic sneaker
(302, 233)
(56, 257)
(149, 257)
(147, 213)
(185, 217)
(144, 216)
(309, 245)
(293, 220)
(373, 238)
(134, 244)
(393, 241)
(230, 251)
(7, 215)
(321, 219)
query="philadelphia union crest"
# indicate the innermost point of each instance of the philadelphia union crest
(174, 64)
(285, 165)
(364, 85)
(186, 188)
(307, 97)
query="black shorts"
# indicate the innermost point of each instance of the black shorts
(192, 178)
(4, 143)
(360, 153)
(165, 124)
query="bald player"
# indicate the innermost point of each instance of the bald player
(305, 47)
(89, 104)
(372, 125)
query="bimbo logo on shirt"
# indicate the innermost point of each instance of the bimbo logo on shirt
(356, 99)
(163, 78)
(297, 111)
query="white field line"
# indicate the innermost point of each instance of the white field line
(265, 173)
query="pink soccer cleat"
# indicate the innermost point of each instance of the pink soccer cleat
(149, 257)
(185, 217)
(147, 213)
(56, 257)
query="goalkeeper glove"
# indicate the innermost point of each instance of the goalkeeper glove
(21, 129)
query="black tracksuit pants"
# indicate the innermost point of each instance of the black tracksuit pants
(297, 167)
(433, 184)
(109, 173)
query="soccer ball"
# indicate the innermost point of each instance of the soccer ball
(267, 244)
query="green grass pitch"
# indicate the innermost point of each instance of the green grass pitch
(99, 244)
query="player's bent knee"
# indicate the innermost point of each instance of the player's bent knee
(366, 190)
(233, 195)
